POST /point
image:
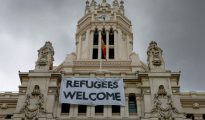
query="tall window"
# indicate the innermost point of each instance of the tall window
(82, 108)
(99, 109)
(95, 37)
(103, 43)
(95, 44)
(111, 44)
(111, 37)
(107, 48)
(65, 108)
(132, 103)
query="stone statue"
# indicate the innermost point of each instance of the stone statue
(34, 104)
(155, 60)
(163, 105)
(45, 57)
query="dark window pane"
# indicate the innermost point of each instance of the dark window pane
(99, 109)
(111, 53)
(115, 109)
(65, 108)
(132, 104)
(104, 36)
(95, 53)
(190, 116)
(111, 37)
(95, 38)
(8, 116)
(82, 108)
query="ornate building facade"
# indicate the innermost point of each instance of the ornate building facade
(104, 49)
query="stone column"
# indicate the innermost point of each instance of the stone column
(91, 43)
(71, 113)
(75, 111)
(126, 106)
(79, 47)
(88, 113)
(138, 100)
(116, 44)
(99, 45)
(109, 111)
(92, 110)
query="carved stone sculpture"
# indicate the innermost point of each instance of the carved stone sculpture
(45, 57)
(163, 105)
(155, 60)
(34, 104)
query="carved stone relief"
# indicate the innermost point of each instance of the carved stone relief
(163, 105)
(34, 104)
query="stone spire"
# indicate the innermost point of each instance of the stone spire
(155, 60)
(105, 4)
(115, 3)
(122, 7)
(93, 3)
(87, 7)
(45, 57)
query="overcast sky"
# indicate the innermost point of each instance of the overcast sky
(178, 26)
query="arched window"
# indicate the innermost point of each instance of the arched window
(103, 42)
(95, 44)
(95, 37)
(132, 103)
(111, 44)
(111, 37)
(104, 36)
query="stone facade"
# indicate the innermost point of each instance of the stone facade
(152, 92)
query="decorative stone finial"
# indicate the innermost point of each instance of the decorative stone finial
(45, 57)
(115, 3)
(155, 60)
(105, 4)
(87, 7)
(122, 7)
(93, 3)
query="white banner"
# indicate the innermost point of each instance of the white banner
(92, 91)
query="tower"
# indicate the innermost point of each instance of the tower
(104, 40)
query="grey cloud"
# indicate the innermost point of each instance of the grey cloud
(177, 25)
